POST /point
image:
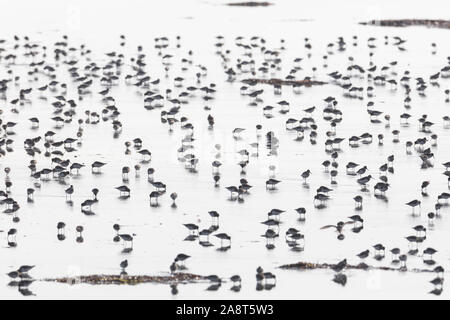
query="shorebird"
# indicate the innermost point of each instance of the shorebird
(364, 254)
(429, 252)
(321, 198)
(338, 267)
(379, 250)
(124, 191)
(181, 257)
(237, 132)
(301, 212)
(339, 228)
(305, 175)
(61, 231)
(236, 279)
(193, 228)
(154, 195)
(11, 237)
(79, 230)
(424, 186)
(271, 184)
(174, 197)
(340, 278)
(214, 216)
(413, 204)
(358, 202)
(95, 193)
(275, 213)
(364, 180)
(223, 237)
(69, 192)
(96, 166)
(124, 265)
(270, 235)
(127, 239)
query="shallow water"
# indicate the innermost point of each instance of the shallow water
(159, 231)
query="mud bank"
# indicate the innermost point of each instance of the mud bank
(442, 24)
(249, 4)
(280, 82)
(127, 279)
(362, 266)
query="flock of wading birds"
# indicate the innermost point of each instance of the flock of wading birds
(34, 71)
